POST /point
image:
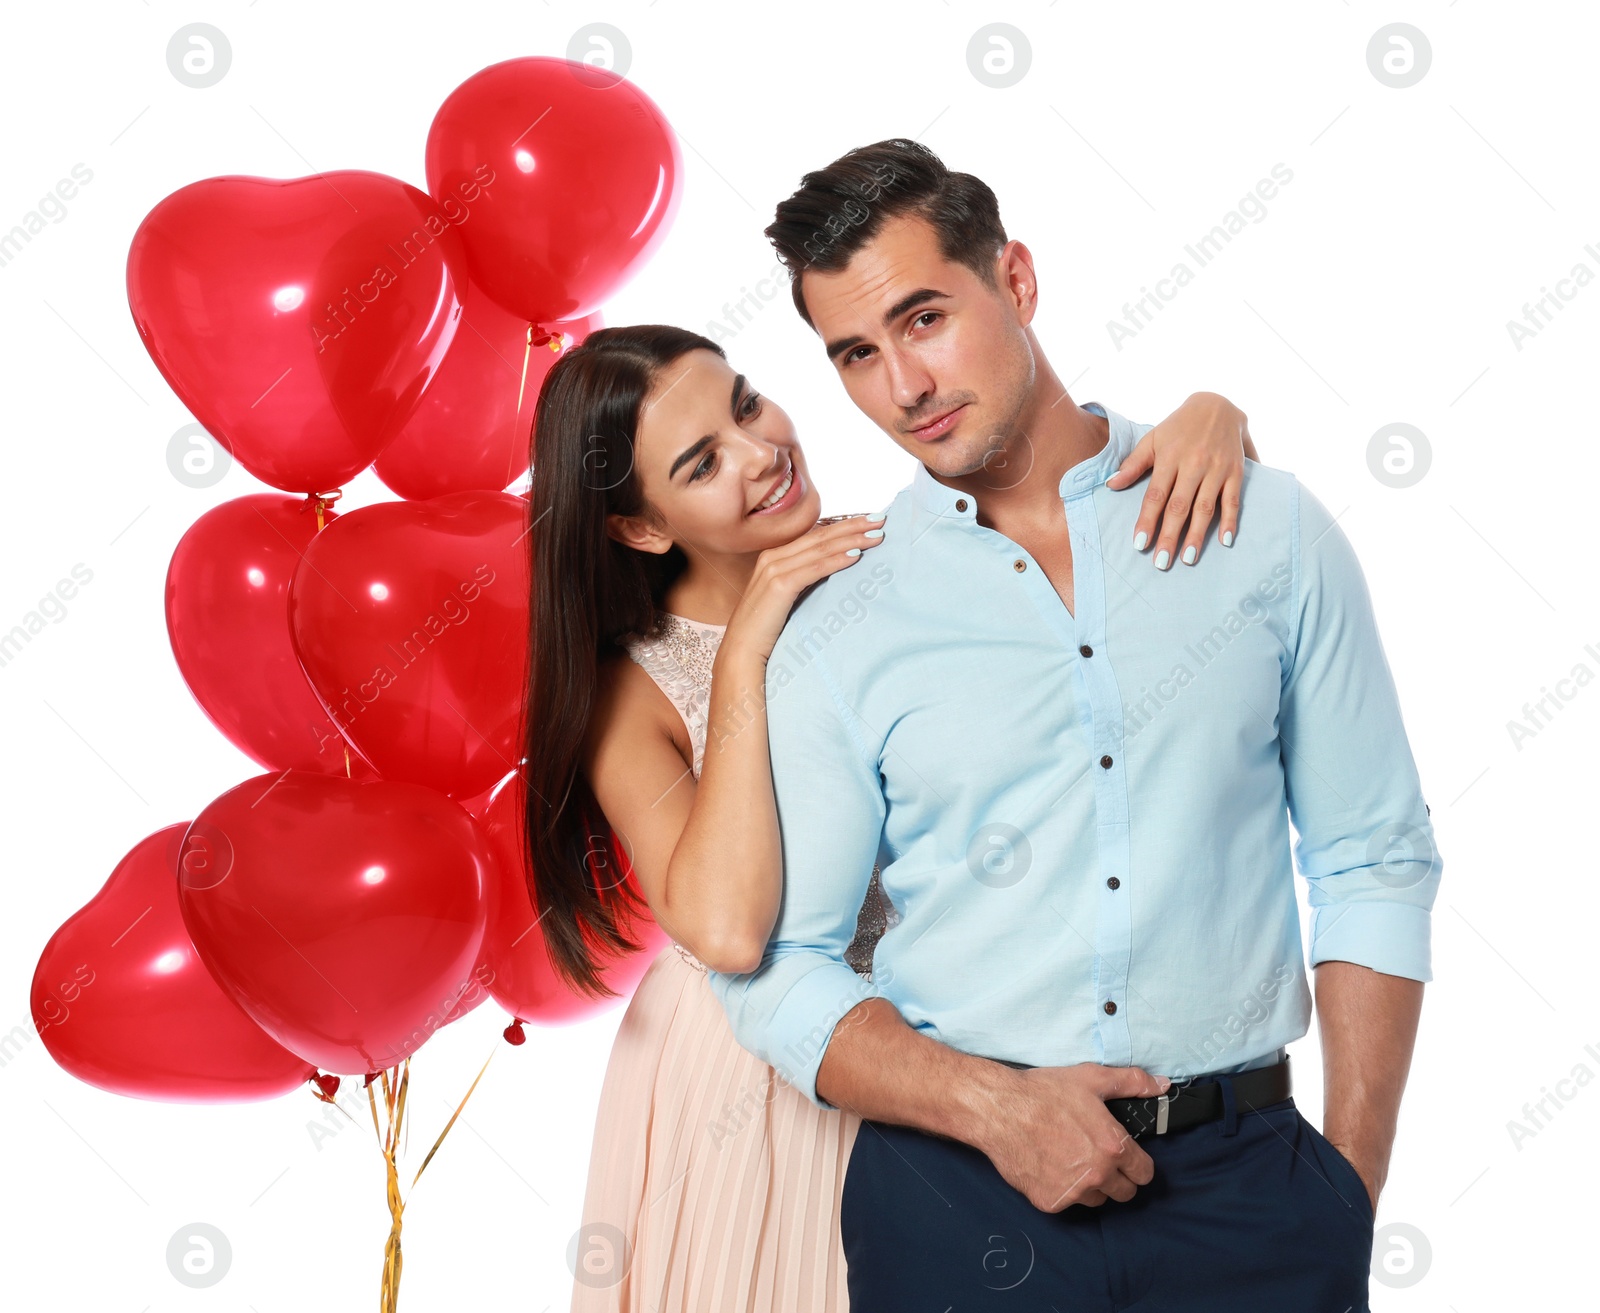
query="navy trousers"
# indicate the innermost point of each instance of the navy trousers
(1253, 1213)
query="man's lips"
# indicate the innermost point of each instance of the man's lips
(939, 426)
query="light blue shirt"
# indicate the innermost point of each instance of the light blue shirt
(1083, 817)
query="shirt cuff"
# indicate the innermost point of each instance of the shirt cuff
(804, 1021)
(1394, 938)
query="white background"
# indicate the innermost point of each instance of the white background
(1376, 290)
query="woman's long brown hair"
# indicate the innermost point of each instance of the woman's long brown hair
(588, 592)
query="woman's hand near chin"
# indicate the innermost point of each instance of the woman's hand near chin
(783, 573)
(1195, 458)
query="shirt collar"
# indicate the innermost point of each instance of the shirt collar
(941, 499)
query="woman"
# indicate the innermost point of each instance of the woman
(675, 524)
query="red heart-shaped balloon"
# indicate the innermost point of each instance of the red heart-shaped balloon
(571, 176)
(345, 918)
(299, 320)
(469, 431)
(122, 999)
(228, 620)
(411, 621)
(521, 976)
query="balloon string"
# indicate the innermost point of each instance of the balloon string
(527, 352)
(394, 1100)
(321, 501)
(536, 337)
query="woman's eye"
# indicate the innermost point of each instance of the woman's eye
(751, 406)
(704, 467)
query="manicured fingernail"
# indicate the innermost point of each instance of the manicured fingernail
(873, 533)
(1162, 559)
(854, 551)
(883, 516)
(1139, 540)
(1188, 554)
(1227, 537)
(1164, 1082)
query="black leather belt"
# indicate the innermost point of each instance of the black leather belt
(1196, 1101)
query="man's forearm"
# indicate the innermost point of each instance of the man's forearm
(877, 1066)
(1368, 1024)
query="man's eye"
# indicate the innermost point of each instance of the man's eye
(851, 357)
(927, 314)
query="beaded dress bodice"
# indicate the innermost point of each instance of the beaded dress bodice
(679, 659)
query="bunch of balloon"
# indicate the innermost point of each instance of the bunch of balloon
(330, 914)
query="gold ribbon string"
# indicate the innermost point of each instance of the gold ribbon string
(536, 337)
(394, 1099)
(321, 501)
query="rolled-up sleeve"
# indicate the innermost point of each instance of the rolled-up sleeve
(830, 815)
(1364, 841)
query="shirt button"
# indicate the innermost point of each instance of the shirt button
(1086, 651)
(1106, 762)
(1111, 1008)
(1113, 883)
(1019, 565)
(961, 503)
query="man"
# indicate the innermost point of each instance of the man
(1078, 775)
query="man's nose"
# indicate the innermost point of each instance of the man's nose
(909, 383)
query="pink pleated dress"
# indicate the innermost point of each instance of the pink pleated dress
(713, 1185)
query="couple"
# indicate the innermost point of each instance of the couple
(977, 860)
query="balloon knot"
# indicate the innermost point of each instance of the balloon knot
(514, 1032)
(327, 1086)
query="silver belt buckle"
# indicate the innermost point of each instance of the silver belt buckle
(1162, 1103)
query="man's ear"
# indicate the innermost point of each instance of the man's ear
(637, 532)
(1018, 283)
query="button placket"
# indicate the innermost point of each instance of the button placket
(1113, 916)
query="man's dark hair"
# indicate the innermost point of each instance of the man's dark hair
(839, 209)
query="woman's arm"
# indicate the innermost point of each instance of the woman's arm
(1197, 456)
(707, 855)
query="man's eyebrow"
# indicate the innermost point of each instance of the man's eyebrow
(690, 452)
(908, 302)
